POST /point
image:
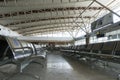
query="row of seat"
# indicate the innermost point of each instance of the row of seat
(19, 52)
(106, 49)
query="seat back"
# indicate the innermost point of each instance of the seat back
(108, 47)
(5, 51)
(117, 48)
(89, 47)
(73, 47)
(76, 47)
(82, 47)
(97, 47)
(18, 50)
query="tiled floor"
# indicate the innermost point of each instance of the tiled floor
(61, 68)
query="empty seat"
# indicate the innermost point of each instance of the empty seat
(39, 51)
(73, 48)
(5, 51)
(82, 47)
(89, 47)
(78, 47)
(97, 47)
(108, 47)
(117, 49)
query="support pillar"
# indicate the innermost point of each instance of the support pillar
(87, 39)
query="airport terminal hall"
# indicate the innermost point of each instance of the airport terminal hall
(59, 39)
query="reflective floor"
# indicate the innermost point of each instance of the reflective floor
(61, 68)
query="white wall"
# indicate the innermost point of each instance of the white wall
(7, 32)
(45, 38)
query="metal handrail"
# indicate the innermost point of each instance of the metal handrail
(24, 48)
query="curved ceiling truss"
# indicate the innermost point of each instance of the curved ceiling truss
(44, 16)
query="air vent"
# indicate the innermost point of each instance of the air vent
(14, 14)
(9, 0)
(22, 13)
(6, 1)
(1, 16)
(1, 0)
(7, 15)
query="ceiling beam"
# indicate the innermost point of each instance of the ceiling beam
(42, 3)
(44, 28)
(107, 8)
(16, 28)
(27, 12)
(47, 19)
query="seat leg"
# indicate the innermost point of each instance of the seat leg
(38, 63)
(36, 77)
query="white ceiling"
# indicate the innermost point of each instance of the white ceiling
(29, 17)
